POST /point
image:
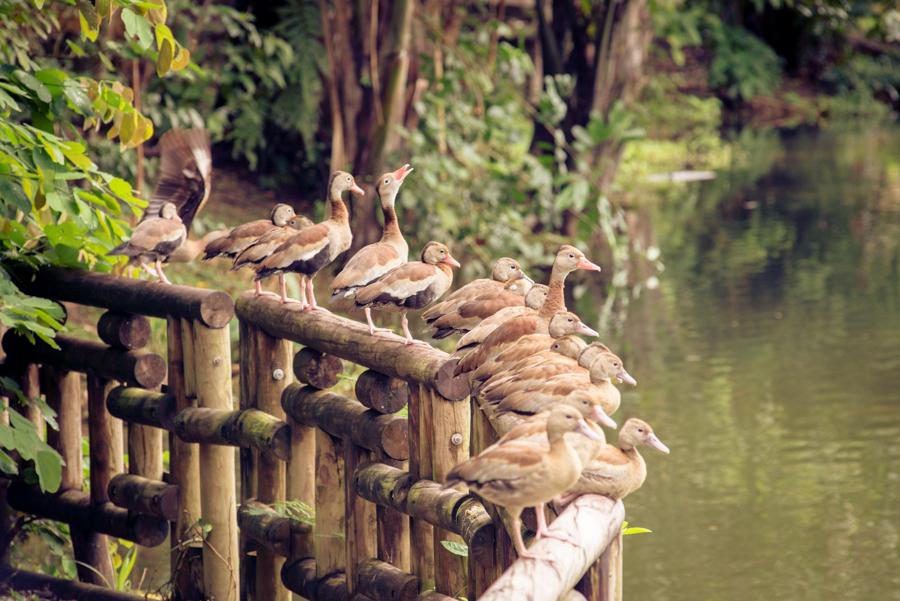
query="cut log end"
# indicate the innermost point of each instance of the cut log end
(216, 310)
(124, 330)
(317, 369)
(395, 439)
(382, 393)
(452, 387)
(149, 370)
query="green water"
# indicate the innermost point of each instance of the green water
(768, 359)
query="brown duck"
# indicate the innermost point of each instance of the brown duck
(154, 239)
(534, 299)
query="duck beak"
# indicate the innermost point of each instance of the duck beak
(601, 418)
(624, 376)
(401, 173)
(449, 260)
(657, 444)
(586, 331)
(583, 428)
(527, 279)
(585, 264)
(357, 190)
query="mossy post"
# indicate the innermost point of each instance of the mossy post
(212, 383)
(272, 369)
(184, 464)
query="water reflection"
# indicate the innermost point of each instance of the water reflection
(769, 360)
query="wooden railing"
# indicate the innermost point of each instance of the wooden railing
(384, 525)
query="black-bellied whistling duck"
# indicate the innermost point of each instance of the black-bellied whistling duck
(568, 259)
(242, 236)
(522, 473)
(263, 248)
(504, 270)
(560, 357)
(185, 174)
(597, 349)
(154, 239)
(411, 286)
(375, 260)
(618, 470)
(314, 247)
(466, 315)
(194, 247)
(534, 299)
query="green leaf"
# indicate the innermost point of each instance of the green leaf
(138, 27)
(48, 465)
(7, 465)
(456, 548)
(121, 188)
(32, 83)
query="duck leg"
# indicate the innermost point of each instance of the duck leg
(282, 285)
(408, 338)
(258, 290)
(544, 532)
(159, 272)
(311, 304)
(515, 514)
(373, 330)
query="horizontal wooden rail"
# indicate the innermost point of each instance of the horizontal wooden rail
(138, 368)
(242, 428)
(351, 340)
(74, 507)
(347, 418)
(21, 580)
(213, 308)
(377, 581)
(283, 535)
(592, 522)
(144, 496)
(141, 406)
(426, 500)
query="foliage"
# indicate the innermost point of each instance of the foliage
(455, 547)
(629, 530)
(21, 436)
(865, 79)
(743, 66)
(296, 510)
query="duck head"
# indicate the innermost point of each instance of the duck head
(341, 182)
(298, 222)
(565, 418)
(536, 296)
(569, 258)
(389, 184)
(564, 323)
(638, 432)
(590, 410)
(604, 364)
(506, 269)
(520, 287)
(282, 214)
(568, 346)
(168, 210)
(435, 253)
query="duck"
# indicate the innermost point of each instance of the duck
(618, 470)
(466, 315)
(194, 247)
(263, 248)
(375, 260)
(528, 397)
(522, 473)
(242, 236)
(154, 239)
(568, 259)
(533, 301)
(596, 350)
(316, 246)
(561, 357)
(411, 286)
(185, 174)
(503, 270)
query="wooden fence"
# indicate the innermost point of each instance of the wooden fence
(384, 526)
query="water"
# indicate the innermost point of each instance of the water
(769, 361)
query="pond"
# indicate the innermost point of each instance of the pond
(768, 359)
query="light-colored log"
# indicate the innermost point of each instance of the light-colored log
(272, 376)
(330, 518)
(349, 419)
(393, 527)
(101, 442)
(247, 457)
(350, 340)
(212, 381)
(360, 535)
(184, 464)
(593, 522)
(421, 533)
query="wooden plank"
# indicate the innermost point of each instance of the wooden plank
(212, 379)
(272, 375)
(360, 534)
(184, 464)
(330, 518)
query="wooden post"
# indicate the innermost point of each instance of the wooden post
(421, 533)
(64, 393)
(360, 532)
(101, 437)
(450, 446)
(212, 381)
(247, 457)
(330, 518)
(272, 367)
(29, 382)
(184, 464)
(393, 528)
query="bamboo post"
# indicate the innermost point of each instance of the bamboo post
(330, 518)
(212, 381)
(184, 464)
(450, 446)
(421, 532)
(272, 375)
(101, 437)
(64, 393)
(360, 534)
